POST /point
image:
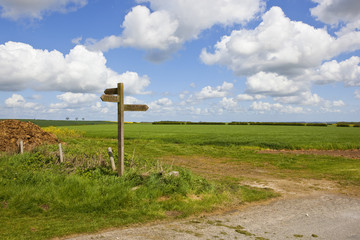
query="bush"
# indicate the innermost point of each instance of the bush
(278, 123)
(169, 123)
(238, 123)
(317, 124)
(342, 125)
(206, 123)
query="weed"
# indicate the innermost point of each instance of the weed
(298, 235)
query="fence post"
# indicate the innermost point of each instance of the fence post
(111, 156)
(21, 146)
(61, 154)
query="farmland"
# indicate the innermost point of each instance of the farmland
(274, 137)
(41, 198)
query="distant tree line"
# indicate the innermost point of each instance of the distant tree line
(339, 124)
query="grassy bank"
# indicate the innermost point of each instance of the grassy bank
(41, 198)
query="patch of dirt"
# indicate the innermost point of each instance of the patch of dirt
(260, 177)
(12, 131)
(350, 153)
(325, 217)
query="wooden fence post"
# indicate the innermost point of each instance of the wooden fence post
(111, 156)
(21, 146)
(61, 154)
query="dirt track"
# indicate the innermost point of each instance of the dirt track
(325, 216)
(307, 209)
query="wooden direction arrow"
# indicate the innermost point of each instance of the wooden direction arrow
(109, 98)
(111, 91)
(135, 107)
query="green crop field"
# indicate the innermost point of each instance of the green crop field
(41, 198)
(273, 137)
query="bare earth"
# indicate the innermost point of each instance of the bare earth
(307, 209)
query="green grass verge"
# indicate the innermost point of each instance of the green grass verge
(41, 199)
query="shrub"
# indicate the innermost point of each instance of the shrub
(317, 124)
(169, 123)
(206, 123)
(238, 123)
(278, 123)
(342, 125)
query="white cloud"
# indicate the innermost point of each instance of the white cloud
(275, 45)
(272, 84)
(77, 98)
(304, 98)
(161, 105)
(214, 92)
(22, 67)
(335, 11)
(143, 29)
(131, 100)
(357, 94)
(18, 101)
(97, 107)
(347, 71)
(36, 9)
(171, 23)
(263, 107)
(248, 97)
(76, 41)
(338, 103)
(278, 45)
(228, 104)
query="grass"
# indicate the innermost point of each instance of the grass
(274, 137)
(41, 199)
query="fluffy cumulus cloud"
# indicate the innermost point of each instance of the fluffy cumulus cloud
(214, 92)
(336, 11)
(81, 70)
(36, 9)
(283, 59)
(161, 105)
(272, 84)
(263, 107)
(229, 104)
(163, 29)
(347, 71)
(18, 101)
(304, 98)
(276, 45)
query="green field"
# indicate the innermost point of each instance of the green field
(273, 137)
(41, 198)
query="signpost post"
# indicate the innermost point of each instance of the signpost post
(117, 95)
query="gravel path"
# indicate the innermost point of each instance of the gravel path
(323, 216)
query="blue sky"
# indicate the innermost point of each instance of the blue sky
(204, 60)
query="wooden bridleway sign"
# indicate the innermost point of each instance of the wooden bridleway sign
(117, 95)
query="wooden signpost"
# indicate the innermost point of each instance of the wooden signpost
(117, 95)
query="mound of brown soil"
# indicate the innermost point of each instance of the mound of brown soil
(12, 131)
